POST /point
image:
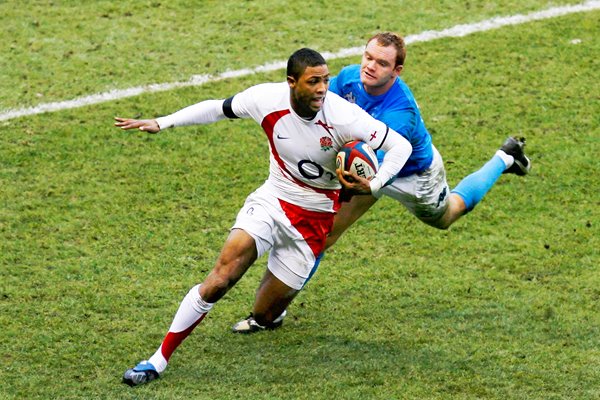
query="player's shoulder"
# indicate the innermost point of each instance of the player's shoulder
(269, 88)
(399, 97)
(265, 93)
(402, 89)
(339, 109)
(334, 100)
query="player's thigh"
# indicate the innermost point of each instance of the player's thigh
(424, 194)
(237, 255)
(350, 212)
(250, 237)
(299, 237)
(293, 235)
(256, 219)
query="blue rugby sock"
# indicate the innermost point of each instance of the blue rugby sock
(473, 187)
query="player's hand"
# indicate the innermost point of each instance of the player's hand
(352, 183)
(146, 125)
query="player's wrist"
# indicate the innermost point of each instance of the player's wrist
(376, 184)
(164, 122)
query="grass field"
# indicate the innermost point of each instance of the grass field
(103, 232)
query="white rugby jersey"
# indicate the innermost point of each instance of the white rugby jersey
(303, 152)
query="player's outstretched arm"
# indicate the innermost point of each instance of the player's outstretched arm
(146, 125)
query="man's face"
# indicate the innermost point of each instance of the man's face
(378, 71)
(308, 91)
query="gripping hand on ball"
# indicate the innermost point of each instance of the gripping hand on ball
(146, 125)
(352, 183)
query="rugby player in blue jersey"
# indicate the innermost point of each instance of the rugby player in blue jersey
(375, 85)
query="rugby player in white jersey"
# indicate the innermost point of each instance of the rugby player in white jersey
(291, 214)
(375, 85)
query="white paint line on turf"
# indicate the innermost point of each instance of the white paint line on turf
(197, 80)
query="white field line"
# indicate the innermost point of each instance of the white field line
(197, 80)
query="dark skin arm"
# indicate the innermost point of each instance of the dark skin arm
(146, 125)
(352, 183)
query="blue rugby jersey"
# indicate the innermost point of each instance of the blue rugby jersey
(397, 108)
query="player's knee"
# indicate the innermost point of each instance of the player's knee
(440, 221)
(453, 211)
(214, 287)
(222, 281)
(219, 281)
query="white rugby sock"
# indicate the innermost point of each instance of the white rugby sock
(190, 313)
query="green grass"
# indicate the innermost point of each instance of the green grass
(58, 50)
(103, 232)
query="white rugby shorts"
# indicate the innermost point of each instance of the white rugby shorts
(293, 236)
(424, 194)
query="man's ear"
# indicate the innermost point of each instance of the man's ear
(291, 81)
(399, 69)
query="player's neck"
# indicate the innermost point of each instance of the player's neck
(303, 112)
(378, 90)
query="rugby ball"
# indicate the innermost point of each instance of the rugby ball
(359, 158)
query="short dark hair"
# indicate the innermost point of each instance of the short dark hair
(386, 39)
(301, 59)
